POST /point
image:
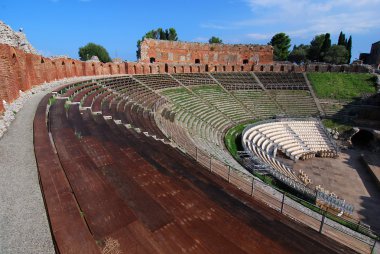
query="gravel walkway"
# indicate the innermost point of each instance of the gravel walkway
(24, 226)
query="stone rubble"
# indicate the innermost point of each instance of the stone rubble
(15, 39)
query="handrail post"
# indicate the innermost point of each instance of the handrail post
(322, 221)
(283, 201)
(373, 246)
(210, 162)
(229, 172)
(253, 180)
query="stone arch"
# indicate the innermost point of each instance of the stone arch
(282, 68)
(233, 67)
(174, 69)
(271, 68)
(242, 68)
(134, 69)
(150, 68)
(363, 139)
(262, 68)
(224, 68)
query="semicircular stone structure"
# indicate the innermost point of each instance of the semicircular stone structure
(127, 165)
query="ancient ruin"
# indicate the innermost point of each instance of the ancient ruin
(179, 52)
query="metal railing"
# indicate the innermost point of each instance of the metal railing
(351, 234)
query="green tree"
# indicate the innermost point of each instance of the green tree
(325, 46)
(337, 54)
(299, 54)
(214, 39)
(92, 49)
(349, 49)
(342, 39)
(315, 47)
(171, 34)
(281, 45)
(158, 34)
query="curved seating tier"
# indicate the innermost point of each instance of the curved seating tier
(295, 103)
(298, 139)
(284, 81)
(237, 80)
(194, 110)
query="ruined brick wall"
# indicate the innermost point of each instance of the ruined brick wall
(22, 71)
(190, 53)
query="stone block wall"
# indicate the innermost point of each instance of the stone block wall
(21, 71)
(192, 52)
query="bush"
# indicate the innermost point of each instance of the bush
(92, 49)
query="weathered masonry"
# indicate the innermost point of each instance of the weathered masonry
(204, 53)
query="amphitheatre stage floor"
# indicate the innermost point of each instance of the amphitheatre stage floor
(348, 177)
(110, 188)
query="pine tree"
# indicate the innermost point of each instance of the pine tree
(315, 47)
(281, 45)
(342, 39)
(349, 48)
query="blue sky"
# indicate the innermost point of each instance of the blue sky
(60, 27)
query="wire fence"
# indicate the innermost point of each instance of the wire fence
(347, 232)
(344, 230)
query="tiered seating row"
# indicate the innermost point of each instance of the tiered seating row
(258, 102)
(236, 80)
(157, 81)
(227, 104)
(295, 103)
(283, 81)
(190, 79)
(298, 139)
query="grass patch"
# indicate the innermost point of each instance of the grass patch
(233, 136)
(342, 86)
(52, 101)
(331, 124)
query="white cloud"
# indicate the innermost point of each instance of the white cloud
(305, 18)
(258, 36)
